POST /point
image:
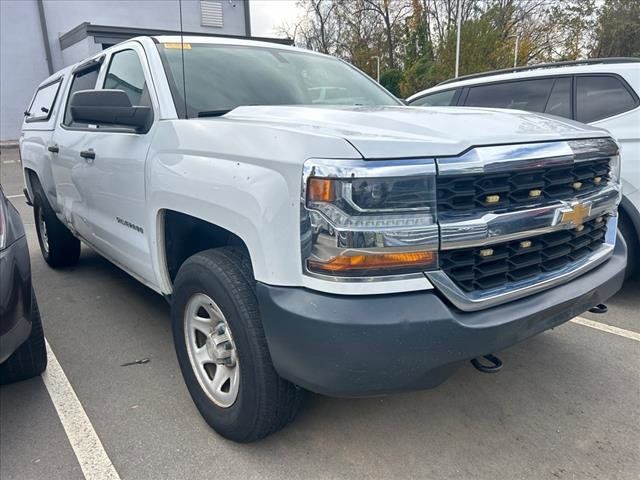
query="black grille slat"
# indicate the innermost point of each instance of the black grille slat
(481, 268)
(456, 193)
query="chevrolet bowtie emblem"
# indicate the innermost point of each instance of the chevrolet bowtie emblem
(576, 213)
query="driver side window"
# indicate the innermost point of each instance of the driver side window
(83, 80)
(125, 73)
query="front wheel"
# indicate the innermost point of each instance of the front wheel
(222, 350)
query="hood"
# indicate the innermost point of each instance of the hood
(394, 132)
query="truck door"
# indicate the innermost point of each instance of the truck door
(117, 199)
(70, 156)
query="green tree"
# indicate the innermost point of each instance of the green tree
(390, 79)
(618, 29)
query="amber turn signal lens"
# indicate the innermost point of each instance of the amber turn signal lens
(321, 190)
(375, 261)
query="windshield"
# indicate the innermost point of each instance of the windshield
(219, 78)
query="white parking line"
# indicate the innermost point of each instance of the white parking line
(15, 196)
(9, 161)
(89, 451)
(621, 332)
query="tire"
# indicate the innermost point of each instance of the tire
(633, 245)
(265, 403)
(59, 247)
(30, 359)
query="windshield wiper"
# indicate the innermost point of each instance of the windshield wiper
(213, 113)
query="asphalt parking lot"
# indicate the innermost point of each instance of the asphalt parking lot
(565, 405)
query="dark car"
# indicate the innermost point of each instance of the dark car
(22, 347)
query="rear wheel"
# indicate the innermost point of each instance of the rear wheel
(30, 359)
(222, 349)
(58, 245)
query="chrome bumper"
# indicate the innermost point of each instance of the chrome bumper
(493, 228)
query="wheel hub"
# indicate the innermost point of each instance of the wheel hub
(219, 346)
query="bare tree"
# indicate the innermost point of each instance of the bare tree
(391, 12)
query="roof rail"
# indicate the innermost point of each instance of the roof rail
(569, 63)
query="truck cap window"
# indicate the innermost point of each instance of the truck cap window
(219, 78)
(42, 104)
(601, 96)
(83, 80)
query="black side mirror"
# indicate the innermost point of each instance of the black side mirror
(109, 107)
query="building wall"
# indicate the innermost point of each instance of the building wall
(23, 61)
(63, 15)
(23, 64)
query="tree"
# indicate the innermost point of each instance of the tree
(618, 29)
(391, 79)
(416, 39)
(391, 13)
(321, 29)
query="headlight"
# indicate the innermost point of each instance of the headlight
(366, 219)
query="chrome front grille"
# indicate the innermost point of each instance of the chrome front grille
(517, 219)
(483, 268)
(522, 189)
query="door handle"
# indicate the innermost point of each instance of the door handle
(53, 148)
(88, 154)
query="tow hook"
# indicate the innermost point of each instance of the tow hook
(600, 308)
(495, 367)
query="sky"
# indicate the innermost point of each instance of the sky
(268, 15)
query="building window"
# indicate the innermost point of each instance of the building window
(211, 13)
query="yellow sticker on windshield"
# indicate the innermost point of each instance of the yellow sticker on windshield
(187, 46)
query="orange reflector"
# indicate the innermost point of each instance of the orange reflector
(321, 190)
(368, 261)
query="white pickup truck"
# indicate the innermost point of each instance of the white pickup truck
(309, 231)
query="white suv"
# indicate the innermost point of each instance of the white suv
(601, 92)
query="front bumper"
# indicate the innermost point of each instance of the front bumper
(368, 345)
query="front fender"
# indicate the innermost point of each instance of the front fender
(243, 178)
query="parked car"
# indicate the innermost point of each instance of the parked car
(22, 348)
(603, 92)
(352, 248)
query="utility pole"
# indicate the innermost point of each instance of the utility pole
(515, 50)
(459, 24)
(377, 67)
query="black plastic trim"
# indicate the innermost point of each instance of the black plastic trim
(345, 345)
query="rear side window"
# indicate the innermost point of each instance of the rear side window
(559, 102)
(42, 104)
(125, 73)
(438, 99)
(602, 96)
(83, 80)
(529, 95)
